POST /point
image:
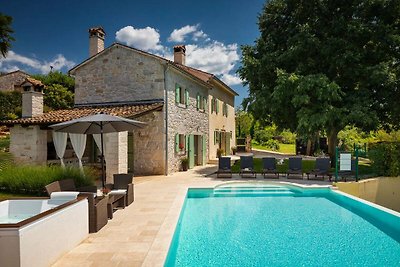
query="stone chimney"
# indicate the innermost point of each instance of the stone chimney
(96, 40)
(180, 54)
(32, 98)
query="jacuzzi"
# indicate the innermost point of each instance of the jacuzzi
(37, 231)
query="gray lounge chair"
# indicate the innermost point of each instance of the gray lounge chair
(269, 167)
(224, 167)
(123, 184)
(295, 168)
(322, 169)
(247, 167)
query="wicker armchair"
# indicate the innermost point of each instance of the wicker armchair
(68, 185)
(123, 184)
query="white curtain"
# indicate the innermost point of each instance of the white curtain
(60, 143)
(78, 142)
(97, 139)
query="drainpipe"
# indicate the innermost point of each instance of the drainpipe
(166, 66)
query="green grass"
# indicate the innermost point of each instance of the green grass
(283, 148)
(365, 169)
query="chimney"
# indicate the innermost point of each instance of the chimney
(96, 40)
(32, 98)
(179, 54)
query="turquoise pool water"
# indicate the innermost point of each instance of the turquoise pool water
(274, 225)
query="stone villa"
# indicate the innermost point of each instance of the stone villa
(188, 112)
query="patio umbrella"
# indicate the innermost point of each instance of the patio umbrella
(98, 124)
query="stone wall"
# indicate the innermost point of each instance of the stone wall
(116, 154)
(28, 144)
(32, 104)
(119, 74)
(149, 145)
(182, 120)
(8, 81)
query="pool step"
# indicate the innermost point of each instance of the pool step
(252, 191)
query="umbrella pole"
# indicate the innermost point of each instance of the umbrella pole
(102, 155)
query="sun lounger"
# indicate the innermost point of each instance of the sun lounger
(295, 168)
(269, 167)
(247, 167)
(224, 167)
(322, 169)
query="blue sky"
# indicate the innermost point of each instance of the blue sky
(56, 32)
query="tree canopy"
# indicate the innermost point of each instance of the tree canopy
(5, 34)
(59, 90)
(321, 65)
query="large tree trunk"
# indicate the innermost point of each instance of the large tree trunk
(332, 143)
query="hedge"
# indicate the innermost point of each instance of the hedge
(385, 157)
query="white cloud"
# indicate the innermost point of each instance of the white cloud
(14, 61)
(145, 39)
(216, 58)
(179, 35)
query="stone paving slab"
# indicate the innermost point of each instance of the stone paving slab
(140, 234)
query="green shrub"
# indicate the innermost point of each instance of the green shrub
(10, 105)
(385, 158)
(272, 144)
(32, 179)
(288, 137)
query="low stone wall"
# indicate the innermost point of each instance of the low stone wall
(384, 191)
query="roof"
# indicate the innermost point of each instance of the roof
(20, 71)
(203, 77)
(133, 110)
(33, 81)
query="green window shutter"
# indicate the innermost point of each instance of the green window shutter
(186, 143)
(204, 150)
(198, 101)
(176, 143)
(177, 93)
(205, 103)
(212, 105)
(186, 97)
(217, 106)
(215, 137)
(226, 110)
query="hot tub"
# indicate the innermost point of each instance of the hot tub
(36, 232)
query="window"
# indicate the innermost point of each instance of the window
(180, 143)
(181, 95)
(201, 102)
(215, 105)
(225, 110)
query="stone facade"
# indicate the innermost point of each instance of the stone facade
(32, 104)
(119, 74)
(29, 144)
(116, 154)
(182, 119)
(12, 80)
(149, 145)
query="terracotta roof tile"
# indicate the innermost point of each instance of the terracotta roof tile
(56, 116)
(33, 81)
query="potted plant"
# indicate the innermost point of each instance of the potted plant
(220, 152)
(185, 163)
(234, 149)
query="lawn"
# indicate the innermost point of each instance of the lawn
(4, 142)
(283, 148)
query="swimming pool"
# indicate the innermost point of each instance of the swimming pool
(274, 224)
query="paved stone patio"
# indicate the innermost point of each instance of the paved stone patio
(140, 234)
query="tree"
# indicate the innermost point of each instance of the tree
(244, 122)
(5, 34)
(322, 65)
(57, 77)
(57, 96)
(59, 90)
